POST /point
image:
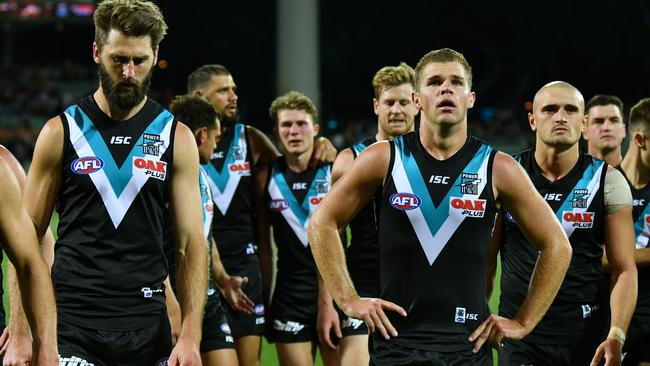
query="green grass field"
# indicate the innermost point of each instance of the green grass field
(269, 355)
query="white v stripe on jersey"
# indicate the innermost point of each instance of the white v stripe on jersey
(207, 220)
(223, 199)
(431, 244)
(593, 187)
(292, 219)
(116, 206)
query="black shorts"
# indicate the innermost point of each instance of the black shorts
(517, 353)
(287, 330)
(242, 324)
(637, 343)
(387, 353)
(352, 326)
(216, 331)
(80, 346)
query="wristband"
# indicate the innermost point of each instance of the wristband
(617, 334)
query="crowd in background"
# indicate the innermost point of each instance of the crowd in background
(29, 96)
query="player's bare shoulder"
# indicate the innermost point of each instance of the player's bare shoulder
(373, 161)
(342, 164)
(506, 175)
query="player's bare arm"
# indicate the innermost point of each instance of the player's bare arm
(192, 256)
(342, 164)
(230, 286)
(263, 230)
(17, 348)
(355, 189)
(19, 240)
(619, 248)
(173, 310)
(328, 319)
(514, 190)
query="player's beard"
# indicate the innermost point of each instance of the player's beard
(229, 121)
(123, 93)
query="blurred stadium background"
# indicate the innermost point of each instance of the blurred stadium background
(330, 50)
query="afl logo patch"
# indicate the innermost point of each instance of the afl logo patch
(278, 205)
(405, 201)
(86, 165)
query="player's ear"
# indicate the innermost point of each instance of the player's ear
(639, 140)
(375, 105)
(472, 100)
(531, 122)
(96, 53)
(201, 135)
(316, 128)
(416, 99)
(155, 55)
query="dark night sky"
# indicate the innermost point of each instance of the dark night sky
(600, 46)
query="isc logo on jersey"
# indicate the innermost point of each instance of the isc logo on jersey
(152, 168)
(86, 165)
(405, 201)
(243, 169)
(578, 220)
(278, 205)
(467, 207)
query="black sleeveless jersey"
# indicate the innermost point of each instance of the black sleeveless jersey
(641, 217)
(229, 177)
(109, 262)
(207, 212)
(435, 222)
(363, 253)
(291, 199)
(579, 204)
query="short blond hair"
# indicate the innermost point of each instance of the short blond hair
(292, 100)
(390, 76)
(443, 55)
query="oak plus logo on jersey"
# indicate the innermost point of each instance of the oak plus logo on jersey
(405, 201)
(462, 315)
(467, 207)
(278, 205)
(578, 220)
(243, 169)
(86, 165)
(153, 168)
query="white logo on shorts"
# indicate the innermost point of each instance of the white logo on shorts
(73, 361)
(352, 323)
(290, 327)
